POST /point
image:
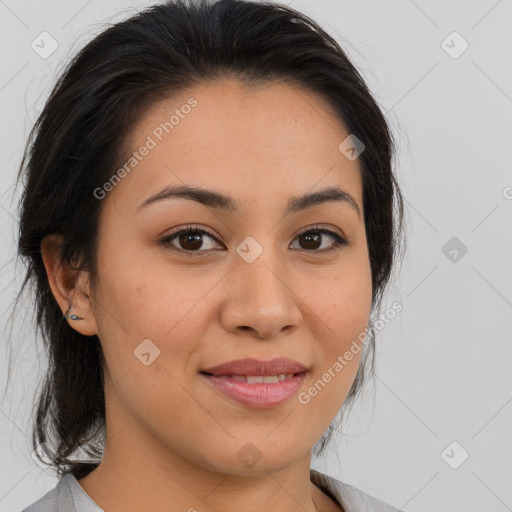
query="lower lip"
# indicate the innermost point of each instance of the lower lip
(260, 395)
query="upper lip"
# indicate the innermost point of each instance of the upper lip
(277, 366)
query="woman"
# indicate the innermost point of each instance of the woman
(210, 218)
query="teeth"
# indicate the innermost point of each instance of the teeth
(262, 379)
(256, 379)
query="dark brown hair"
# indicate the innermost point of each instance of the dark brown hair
(81, 137)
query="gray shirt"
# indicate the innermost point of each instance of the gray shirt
(69, 496)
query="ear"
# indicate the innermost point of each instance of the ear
(69, 287)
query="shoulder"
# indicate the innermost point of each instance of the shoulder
(351, 498)
(58, 499)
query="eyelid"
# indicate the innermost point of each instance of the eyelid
(166, 240)
(322, 228)
(192, 227)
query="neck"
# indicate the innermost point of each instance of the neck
(116, 486)
(133, 475)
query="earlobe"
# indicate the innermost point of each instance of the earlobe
(65, 284)
(71, 316)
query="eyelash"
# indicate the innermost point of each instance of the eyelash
(339, 241)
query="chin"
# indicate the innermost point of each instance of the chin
(255, 458)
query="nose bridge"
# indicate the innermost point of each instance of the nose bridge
(265, 277)
(261, 276)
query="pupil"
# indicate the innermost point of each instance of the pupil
(312, 238)
(186, 237)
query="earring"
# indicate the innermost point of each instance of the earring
(72, 317)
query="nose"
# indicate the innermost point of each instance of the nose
(261, 300)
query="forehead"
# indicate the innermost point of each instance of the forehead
(244, 140)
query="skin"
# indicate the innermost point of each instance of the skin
(172, 440)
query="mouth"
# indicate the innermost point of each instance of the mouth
(257, 379)
(280, 368)
(257, 384)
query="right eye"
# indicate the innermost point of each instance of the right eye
(189, 239)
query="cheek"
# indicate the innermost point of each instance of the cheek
(342, 311)
(139, 325)
(149, 336)
(158, 314)
(144, 294)
(342, 303)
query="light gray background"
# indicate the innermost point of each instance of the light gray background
(443, 365)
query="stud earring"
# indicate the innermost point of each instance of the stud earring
(72, 317)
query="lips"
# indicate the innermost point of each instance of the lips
(257, 384)
(259, 379)
(280, 368)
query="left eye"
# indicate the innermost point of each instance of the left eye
(190, 240)
(314, 236)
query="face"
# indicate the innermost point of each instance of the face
(261, 275)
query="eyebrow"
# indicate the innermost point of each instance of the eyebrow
(223, 202)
